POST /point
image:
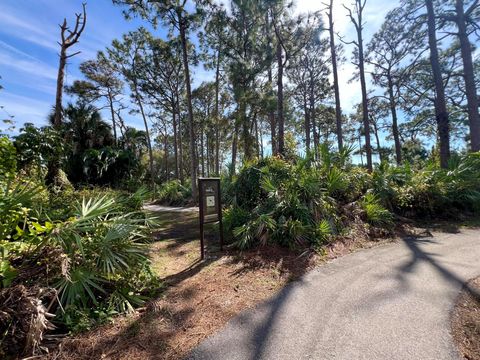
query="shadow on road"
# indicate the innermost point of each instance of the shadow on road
(418, 255)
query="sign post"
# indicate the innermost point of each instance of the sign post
(210, 208)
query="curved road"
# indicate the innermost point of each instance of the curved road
(390, 302)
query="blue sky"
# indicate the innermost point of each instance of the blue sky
(29, 51)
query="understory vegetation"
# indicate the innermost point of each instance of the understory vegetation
(313, 199)
(69, 259)
(257, 93)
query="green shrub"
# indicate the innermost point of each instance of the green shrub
(8, 160)
(376, 214)
(173, 193)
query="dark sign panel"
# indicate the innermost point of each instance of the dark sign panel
(210, 207)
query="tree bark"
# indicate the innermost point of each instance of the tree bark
(165, 153)
(59, 95)
(191, 131)
(393, 110)
(112, 113)
(338, 109)
(441, 113)
(469, 76)
(234, 146)
(175, 139)
(307, 122)
(147, 134)
(377, 138)
(280, 117)
(217, 120)
(361, 66)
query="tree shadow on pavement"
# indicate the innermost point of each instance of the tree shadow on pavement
(419, 255)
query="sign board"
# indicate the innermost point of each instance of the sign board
(210, 207)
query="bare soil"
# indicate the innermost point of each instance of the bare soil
(466, 321)
(200, 296)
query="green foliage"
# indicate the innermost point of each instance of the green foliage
(375, 212)
(173, 193)
(8, 160)
(302, 202)
(101, 266)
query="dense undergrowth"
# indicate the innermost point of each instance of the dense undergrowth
(69, 259)
(312, 200)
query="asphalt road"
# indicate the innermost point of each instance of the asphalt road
(390, 302)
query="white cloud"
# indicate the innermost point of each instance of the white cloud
(33, 67)
(25, 109)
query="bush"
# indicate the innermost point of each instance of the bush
(8, 160)
(94, 255)
(303, 202)
(173, 193)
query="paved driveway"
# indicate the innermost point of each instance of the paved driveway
(390, 302)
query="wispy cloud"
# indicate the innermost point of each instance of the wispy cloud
(33, 67)
(28, 31)
(25, 109)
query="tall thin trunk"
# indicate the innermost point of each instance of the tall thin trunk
(261, 140)
(307, 121)
(271, 113)
(59, 95)
(377, 138)
(217, 117)
(360, 147)
(257, 139)
(191, 131)
(147, 133)
(247, 136)
(393, 110)
(469, 76)
(338, 109)
(313, 122)
(202, 151)
(280, 117)
(112, 113)
(361, 66)
(234, 146)
(441, 113)
(165, 153)
(175, 139)
(180, 136)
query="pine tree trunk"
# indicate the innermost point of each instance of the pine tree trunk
(147, 133)
(175, 139)
(280, 119)
(338, 109)
(257, 139)
(393, 110)
(366, 125)
(441, 113)
(313, 122)
(191, 130)
(112, 113)
(469, 76)
(234, 146)
(217, 117)
(377, 138)
(307, 122)
(202, 151)
(165, 153)
(271, 113)
(59, 95)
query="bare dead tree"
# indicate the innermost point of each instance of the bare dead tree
(69, 38)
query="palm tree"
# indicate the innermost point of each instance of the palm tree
(134, 140)
(85, 129)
